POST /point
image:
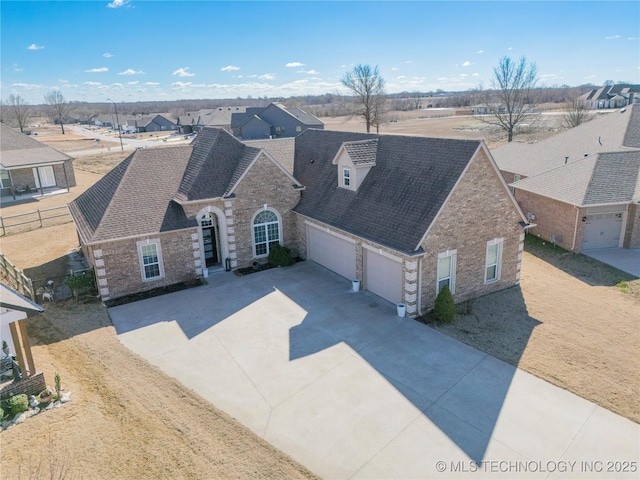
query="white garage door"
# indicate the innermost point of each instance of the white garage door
(602, 230)
(383, 275)
(335, 253)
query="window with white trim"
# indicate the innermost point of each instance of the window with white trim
(446, 274)
(5, 179)
(346, 177)
(266, 232)
(493, 260)
(150, 257)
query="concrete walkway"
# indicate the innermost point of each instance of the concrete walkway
(336, 380)
(625, 259)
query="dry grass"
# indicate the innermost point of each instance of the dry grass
(444, 124)
(71, 141)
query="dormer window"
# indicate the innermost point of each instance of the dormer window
(346, 177)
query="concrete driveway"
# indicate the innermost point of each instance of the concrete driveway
(336, 380)
(625, 259)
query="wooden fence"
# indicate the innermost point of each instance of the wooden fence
(42, 217)
(18, 279)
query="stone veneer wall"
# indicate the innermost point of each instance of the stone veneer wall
(478, 210)
(632, 231)
(263, 184)
(553, 218)
(117, 264)
(32, 385)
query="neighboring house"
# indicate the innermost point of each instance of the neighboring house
(104, 121)
(219, 117)
(581, 187)
(405, 215)
(612, 96)
(155, 123)
(26, 164)
(272, 121)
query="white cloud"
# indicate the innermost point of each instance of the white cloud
(107, 55)
(475, 74)
(394, 69)
(152, 83)
(480, 51)
(294, 64)
(510, 48)
(463, 75)
(133, 83)
(312, 72)
(131, 71)
(61, 80)
(16, 68)
(28, 86)
(466, 64)
(175, 85)
(97, 70)
(267, 76)
(612, 37)
(93, 84)
(182, 72)
(33, 46)
(229, 68)
(118, 3)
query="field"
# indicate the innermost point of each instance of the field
(443, 123)
(568, 323)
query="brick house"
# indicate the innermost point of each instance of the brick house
(404, 215)
(273, 121)
(581, 187)
(27, 164)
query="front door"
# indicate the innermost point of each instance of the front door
(210, 246)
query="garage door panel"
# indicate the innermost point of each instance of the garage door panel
(602, 231)
(332, 252)
(383, 276)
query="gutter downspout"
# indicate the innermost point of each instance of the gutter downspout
(419, 312)
(575, 230)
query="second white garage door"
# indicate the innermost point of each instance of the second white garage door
(335, 253)
(383, 275)
(602, 230)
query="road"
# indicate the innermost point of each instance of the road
(128, 144)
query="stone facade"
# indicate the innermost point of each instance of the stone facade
(554, 220)
(264, 184)
(632, 230)
(118, 266)
(478, 210)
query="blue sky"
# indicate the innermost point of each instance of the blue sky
(136, 50)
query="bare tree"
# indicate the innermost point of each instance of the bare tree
(379, 109)
(57, 106)
(367, 85)
(19, 110)
(512, 100)
(575, 113)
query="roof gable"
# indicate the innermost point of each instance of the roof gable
(135, 198)
(20, 150)
(399, 198)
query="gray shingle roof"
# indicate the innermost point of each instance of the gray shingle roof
(135, 198)
(606, 133)
(281, 149)
(399, 198)
(20, 150)
(362, 152)
(611, 177)
(216, 159)
(632, 135)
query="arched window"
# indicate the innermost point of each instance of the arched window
(206, 220)
(266, 232)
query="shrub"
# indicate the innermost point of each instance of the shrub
(78, 283)
(444, 310)
(280, 256)
(16, 404)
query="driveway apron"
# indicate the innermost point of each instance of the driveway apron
(336, 380)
